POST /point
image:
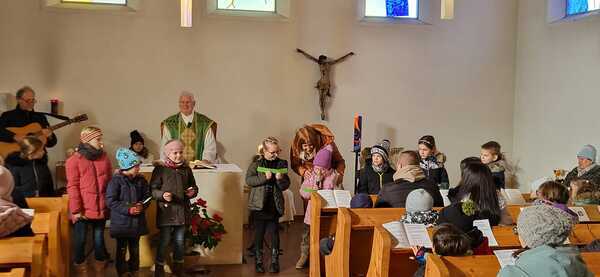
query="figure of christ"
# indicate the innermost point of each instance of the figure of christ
(324, 84)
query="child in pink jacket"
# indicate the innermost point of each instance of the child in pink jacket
(321, 177)
(88, 173)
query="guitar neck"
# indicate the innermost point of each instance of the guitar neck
(60, 125)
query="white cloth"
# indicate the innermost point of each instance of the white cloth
(290, 207)
(210, 144)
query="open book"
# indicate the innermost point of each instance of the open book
(336, 198)
(505, 257)
(513, 196)
(407, 235)
(484, 226)
(580, 211)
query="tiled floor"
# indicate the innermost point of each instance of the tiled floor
(290, 236)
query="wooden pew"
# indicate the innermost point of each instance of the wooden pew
(15, 272)
(59, 247)
(484, 265)
(383, 256)
(47, 224)
(30, 252)
(591, 210)
(364, 222)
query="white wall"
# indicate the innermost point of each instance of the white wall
(452, 79)
(556, 94)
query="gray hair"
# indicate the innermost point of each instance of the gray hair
(187, 94)
(23, 90)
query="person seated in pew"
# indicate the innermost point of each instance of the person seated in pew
(491, 156)
(586, 168)
(25, 167)
(584, 192)
(359, 201)
(14, 222)
(462, 215)
(419, 208)
(377, 170)
(477, 184)
(556, 195)
(542, 230)
(453, 193)
(447, 241)
(432, 162)
(408, 177)
(322, 176)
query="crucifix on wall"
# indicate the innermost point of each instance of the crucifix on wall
(324, 84)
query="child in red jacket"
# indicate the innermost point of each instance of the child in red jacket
(88, 173)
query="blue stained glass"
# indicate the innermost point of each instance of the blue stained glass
(577, 6)
(396, 7)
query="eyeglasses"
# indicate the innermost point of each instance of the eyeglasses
(274, 152)
(29, 101)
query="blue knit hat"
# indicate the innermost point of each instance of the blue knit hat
(589, 152)
(361, 200)
(127, 158)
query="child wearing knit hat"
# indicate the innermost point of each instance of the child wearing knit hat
(125, 197)
(419, 208)
(321, 177)
(173, 185)
(542, 231)
(377, 171)
(88, 172)
(139, 147)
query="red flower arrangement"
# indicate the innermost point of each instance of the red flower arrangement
(205, 230)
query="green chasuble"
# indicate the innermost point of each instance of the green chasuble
(192, 135)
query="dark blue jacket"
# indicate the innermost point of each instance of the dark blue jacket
(121, 194)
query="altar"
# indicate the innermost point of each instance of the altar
(224, 193)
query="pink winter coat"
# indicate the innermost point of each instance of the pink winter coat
(86, 185)
(310, 184)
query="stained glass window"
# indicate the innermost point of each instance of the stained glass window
(112, 2)
(247, 5)
(582, 6)
(392, 8)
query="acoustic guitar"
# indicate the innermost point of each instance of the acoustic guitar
(34, 129)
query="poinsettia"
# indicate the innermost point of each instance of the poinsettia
(204, 229)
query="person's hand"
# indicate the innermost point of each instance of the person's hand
(279, 176)
(79, 216)
(168, 196)
(133, 210)
(46, 132)
(139, 206)
(190, 192)
(268, 175)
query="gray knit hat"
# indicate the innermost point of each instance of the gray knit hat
(382, 148)
(588, 151)
(418, 200)
(543, 224)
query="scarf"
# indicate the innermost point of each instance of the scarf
(581, 172)
(171, 164)
(411, 173)
(89, 152)
(381, 168)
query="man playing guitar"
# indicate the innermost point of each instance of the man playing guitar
(24, 115)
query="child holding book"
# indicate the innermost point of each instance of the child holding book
(267, 178)
(125, 196)
(173, 185)
(321, 177)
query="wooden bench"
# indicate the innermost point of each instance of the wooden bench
(15, 272)
(591, 210)
(31, 252)
(356, 233)
(59, 242)
(384, 257)
(484, 265)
